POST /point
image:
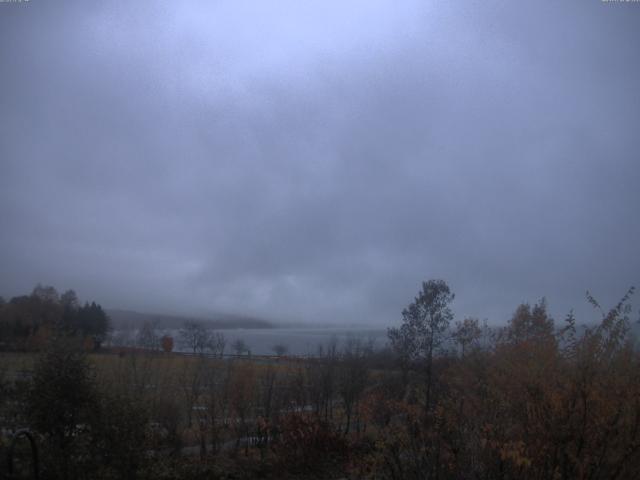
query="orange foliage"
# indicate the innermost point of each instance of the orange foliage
(167, 343)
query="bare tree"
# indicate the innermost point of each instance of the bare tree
(268, 405)
(216, 343)
(424, 324)
(199, 339)
(322, 378)
(353, 376)
(467, 333)
(147, 336)
(239, 346)
(191, 381)
(216, 400)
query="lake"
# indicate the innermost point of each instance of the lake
(299, 341)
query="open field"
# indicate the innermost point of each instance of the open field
(170, 367)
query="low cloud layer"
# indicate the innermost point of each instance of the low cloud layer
(316, 162)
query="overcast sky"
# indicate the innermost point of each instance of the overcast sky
(316, 161)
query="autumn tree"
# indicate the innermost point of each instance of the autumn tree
(46, 293)
(32, 321)
(424, 325)
(166, 342)
(466, 333)
(529, 324)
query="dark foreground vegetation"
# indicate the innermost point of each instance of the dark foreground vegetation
(447, 400)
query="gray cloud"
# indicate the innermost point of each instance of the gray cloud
(318, 162)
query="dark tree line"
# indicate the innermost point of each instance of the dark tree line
(28, 322)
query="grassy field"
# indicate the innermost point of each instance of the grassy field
(16, 364)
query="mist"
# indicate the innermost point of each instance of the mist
(316, 162)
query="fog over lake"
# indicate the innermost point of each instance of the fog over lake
(299, 341)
